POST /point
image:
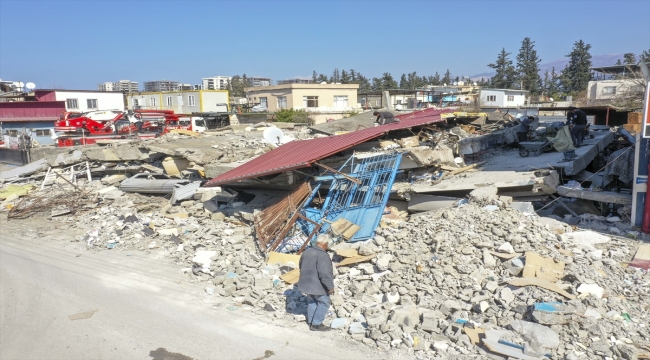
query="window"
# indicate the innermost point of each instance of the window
(136, 102)
(341, 101)
(282, 102)
(264, 102)
(169, 101)
(491, 98)
(610, 90)
(12, 133)
(152, 101)
(92, 103)
(191, 101)
(310, 101)
(637, 88)
(511, 98)
(43, 132)
(72, 103)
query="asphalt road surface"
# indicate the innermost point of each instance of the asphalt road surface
(58, 303)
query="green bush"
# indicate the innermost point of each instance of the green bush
(293, 116)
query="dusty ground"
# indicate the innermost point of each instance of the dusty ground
(133, 306)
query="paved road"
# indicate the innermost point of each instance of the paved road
(144, 310)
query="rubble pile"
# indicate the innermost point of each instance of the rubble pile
(433, 284)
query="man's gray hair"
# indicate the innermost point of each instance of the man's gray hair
(323, 239)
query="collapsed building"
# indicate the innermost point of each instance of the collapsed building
(448, 243)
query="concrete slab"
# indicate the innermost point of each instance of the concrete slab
(505, 181)
(604, 196)
(28, 169)
(510, 160)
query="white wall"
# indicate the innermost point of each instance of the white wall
(596, 89)
(180, 101)
(105, 100)
(518, 98)
(212, 98)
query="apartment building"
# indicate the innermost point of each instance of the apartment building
(216, 82)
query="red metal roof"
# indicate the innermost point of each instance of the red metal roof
(34, 110)
(302, 153)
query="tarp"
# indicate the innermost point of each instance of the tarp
(303, 153)
(563, 140)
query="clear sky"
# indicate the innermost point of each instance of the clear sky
(78, 44)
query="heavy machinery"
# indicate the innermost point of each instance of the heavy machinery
(76, 128)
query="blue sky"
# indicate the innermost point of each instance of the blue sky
(78, 44)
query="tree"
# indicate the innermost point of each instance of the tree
(576, 75)
(388, 82)
(321, 78)
(314, 77)
(645, 57)
(345, 77)
(629, 59)
(336, 76)
(618, 62)
(505, 73)
(550, 84)
(446, 79)
(403, 83)
(435, 79)
(236, 86)
(528, 67)
(245, 81)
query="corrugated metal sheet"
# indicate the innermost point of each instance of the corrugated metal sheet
(303, 153)
(31, 110)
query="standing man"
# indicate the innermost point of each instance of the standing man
(317, 282)
(384, 117)
(524, 128)
(578, 119)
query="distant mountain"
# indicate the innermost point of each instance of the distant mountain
(596, 60)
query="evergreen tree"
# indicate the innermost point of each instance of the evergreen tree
(336, 76)
(388, 82)
(435, 80)
(505, 73)
(552, 88)
(353, 76)
(618, 62)
(528, 67)
(447, 78)
(314, 77)
(245, 81)
(364, 83)
(629, 59)
(576, 74)
(345, 77)
(321, 78)
(403, 83)
(645, 57)
(236, 86)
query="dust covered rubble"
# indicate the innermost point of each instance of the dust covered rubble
(433, 276)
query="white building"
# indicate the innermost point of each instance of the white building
(84, 100)
(216, 82)
(607, 89)
(181, 102)
(122, 85)
(503, 98)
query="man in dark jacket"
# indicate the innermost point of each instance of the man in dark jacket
(384, 117)
(578, 119)
(524, 128)
(317, 282)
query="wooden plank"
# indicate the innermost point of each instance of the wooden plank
(544, 268)
(642, 257)
(354, 260)
(603, 196)
(280, 258)
(291, 277)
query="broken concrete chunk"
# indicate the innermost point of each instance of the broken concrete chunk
(202, 258)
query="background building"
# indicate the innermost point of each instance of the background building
(122, 86)
(216, 83)
(323, 101)
(160, 85)
(502, 98)
(259, 81)
(182, 102)
(610, 82)
(295, 81)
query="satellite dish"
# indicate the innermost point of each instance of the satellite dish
(455, 83)
(30, 86)
(273, 136)
(445, 84)
(474, 83)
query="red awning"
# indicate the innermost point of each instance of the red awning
(303, 153)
